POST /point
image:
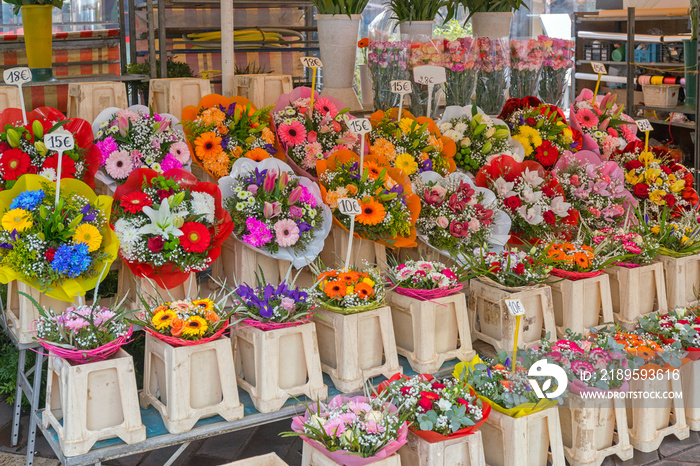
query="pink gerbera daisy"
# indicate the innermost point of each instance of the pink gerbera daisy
(293, 133)
(325, 106)
(587, 118)
(180, 151)
(287, 233)
(119, 165)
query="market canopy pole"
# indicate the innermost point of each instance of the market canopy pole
(227, 62)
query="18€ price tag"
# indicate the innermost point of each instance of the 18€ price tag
(515, 306)
(17, 76)
(311, 62)
(59, 141)
(401, 87)
(598, 68)
(429, 75)
(348, 206)
(360, 125)
(644, 126)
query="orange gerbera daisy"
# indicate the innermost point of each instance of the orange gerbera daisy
(327, 274)
(374, 169)
(349, 277)
(207, 145)
(258, 154)
(335, 289)
(567, 247)
(364, 291)
(588, 250)
(372, 212)
(582, 260)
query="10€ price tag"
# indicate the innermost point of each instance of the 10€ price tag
(429, 75)
(17, 76)
(311, 62)
(644, 126)
(401, 87)
(515, 307)
(59, 141)
(598, 68)
(348, 206)
(360, 125)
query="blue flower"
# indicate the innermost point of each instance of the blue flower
(89, 214)
(28, 200)
(71, 260)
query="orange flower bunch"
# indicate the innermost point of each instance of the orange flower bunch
(639, 345)
(570, 257)
(351, 289)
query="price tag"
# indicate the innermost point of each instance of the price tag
(349, 206)
(60, 141)
(401, 87)
(429, 75)
(360, 125)
(644, 126)
(17, 76)
(311, 62)
(515, 306)
(598, 68)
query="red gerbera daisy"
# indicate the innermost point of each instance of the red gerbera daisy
(547, 154)
(195, 237)
(135, 202)
(67, 165)
(14, 163)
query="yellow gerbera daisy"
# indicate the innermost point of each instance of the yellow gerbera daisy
(88, 234)
(17, 219)
(406, 125)
(406, 163)
(163, 319)
(195, 326)
(203, 305)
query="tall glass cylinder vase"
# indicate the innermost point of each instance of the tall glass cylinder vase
(461, 75)
(556, 70)
(425, 51)
(492, 63)
(388, 61)
(526, 58)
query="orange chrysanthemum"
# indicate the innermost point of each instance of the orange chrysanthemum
(372, 212)
(383, 148)
(363, 290)
(268, 136)
(212, 116)
(258, 154)
(218, 165)
(351, 188)
(335, 289)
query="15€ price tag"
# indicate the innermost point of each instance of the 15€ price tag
(429, 74)
(348, 206)
(360, 125)
(59, 141)
(311, 62)
(515, 306)
(598, 68)
(17, 76)
(401, 87)
(644, 125)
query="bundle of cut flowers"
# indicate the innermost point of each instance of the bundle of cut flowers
(350, 291)
(60, 248)
(352, 431)
(425, 51)
(478, 137)
(506, 389)
(541, 129)
(510, 268)
(492, 63)
(677, 237)
(389, 207)
(526, 58)
(457, 216)
(137, 137)
(595, 188)
(656, 180)
(387, 61)
(312, 134)
(558, 62)
(425, 279)
(638, 249)
(437, 409)
(413, 145)
(187, 321)
(269, 307)
(169, 224)
(22, 149)
(221, 130)
(532, 197)
(576, 260)
(458, 60)
(603, 121)
(681, 324)
(276, 211)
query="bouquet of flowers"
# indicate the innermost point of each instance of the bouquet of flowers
(270, 307)
(425, 280)
(185, 322)
(457, 216)
(477, 136)
(458, 61)
(222, 130)
(492, 62)
(556, 67)
(541, 129)
(60, 249)
(137, 137)
(350, 291)
(678, 237)
(645, 350)
(681, 324)
(437, 410)
(595, 188)
(639, 250)
(311, 134)
(357, 431)
(510, 268)
(604, 126)
(532, 196)
(656, 181)
(575, 260)
(413, 145)
(387, 61)
(427, 52)
(276, 211)
(389, 207)
(169, 224)
(22, 149)
(496, 383)
(526, 59)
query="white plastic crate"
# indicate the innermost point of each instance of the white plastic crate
(661, 95)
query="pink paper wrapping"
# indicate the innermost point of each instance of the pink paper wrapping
(588, 142)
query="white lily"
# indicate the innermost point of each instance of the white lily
(163, 222)
(560, 207)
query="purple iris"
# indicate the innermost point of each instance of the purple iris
(257, 177)
(224, 142)
(230, 109)
(398, 189)
(522, 120)
(270, 148)
(89, 214)
(6, 246)
(303, 227)
(427, 165)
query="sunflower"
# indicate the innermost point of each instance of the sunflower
(406, 163)
(582, 260)
(208, 145)
(163, 319)
(349, 277)
(17, 219)
(335, 289)
(203, 305)
(88, 234)
(364, 291)
(257, 155)
(195, 326)
(372, 212)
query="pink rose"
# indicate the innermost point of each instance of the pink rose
(442, 222)
(474, 224)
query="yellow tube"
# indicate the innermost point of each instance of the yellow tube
(36, 21)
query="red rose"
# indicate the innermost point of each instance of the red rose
(530, 121)
(549, 192)
(49, 254)
(670, 200)
(665, 169)
(164, 193)
(509, 177)
(519, 269)
(405, 391)
(156, 244)
(438, 386)
(549, 217)
(512, 202)
(676, 168)
(633, 164)
(4, 146)
(495, 267)
(462, 401)
(641, 190)
(425, 404)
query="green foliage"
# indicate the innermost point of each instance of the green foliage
(18, 4)
(175, 69)
(251, 68)
(416, 10)
(340, 7)
(9, 360)
(452, 30)
(485, 6)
